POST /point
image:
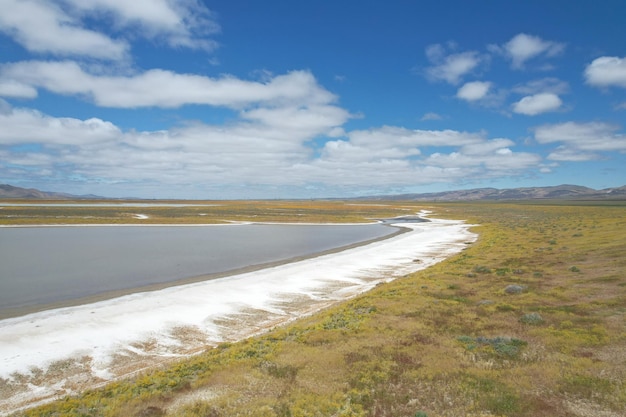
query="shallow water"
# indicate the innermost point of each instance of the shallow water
(43, 265)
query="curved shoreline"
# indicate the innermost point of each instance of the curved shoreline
(116, 338)
(108, 295)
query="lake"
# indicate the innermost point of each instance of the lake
(62, 264)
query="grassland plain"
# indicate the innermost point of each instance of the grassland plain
(197, 212)
(528, 321)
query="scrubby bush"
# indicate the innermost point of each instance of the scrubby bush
(531, 318)
(514, 289)
(504, 347)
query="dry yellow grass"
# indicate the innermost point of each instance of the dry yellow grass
(200, 212)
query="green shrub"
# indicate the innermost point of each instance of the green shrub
(504, 347)
(514, 289)
(531, 318)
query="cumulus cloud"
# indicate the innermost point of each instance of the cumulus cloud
(401, 156)
(501, 162)
(473, 91)
(259, 149)
(161, 88)
(305, 121)
(245, 152)
(537, 104)
(606, 71)
(523, 47)
(379, 138)
(565, 154)
(450, 67)
(30, 126)
(180, 24)
(275, 119)
(581, 141)
(44, 27)
(59, 27)
(14, 89)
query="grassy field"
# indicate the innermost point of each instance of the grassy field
(528, 321)
(201, 212)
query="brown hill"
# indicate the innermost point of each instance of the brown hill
(563, 192)
(9, 191)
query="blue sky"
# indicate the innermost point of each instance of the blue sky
(284, 99)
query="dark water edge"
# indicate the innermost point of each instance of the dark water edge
(8, 311)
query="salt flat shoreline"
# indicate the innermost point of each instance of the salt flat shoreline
(57, 352)
(22, 311)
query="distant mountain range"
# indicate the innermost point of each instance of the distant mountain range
(559, 192)
(9, 191)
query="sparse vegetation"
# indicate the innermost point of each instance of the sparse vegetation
(531, 318)
(428, 344)
(201, 212)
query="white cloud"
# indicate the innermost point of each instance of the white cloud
(487, 147)
(499, 163)
(156, 13)
(14, 89)
(537, 104)
(42, 26)
(265, 147)
(60, 27)
(380, 138)
(343, 151)
(435, 52)
(431, 116)
(308, 121)
(179, 24)
(565, 154)
(30, 126)
(523, 47)
(606, 71)
(160, 88)
(400, 156)
(450, 68)
(473, 91)
(581, 141)
(245, 152)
